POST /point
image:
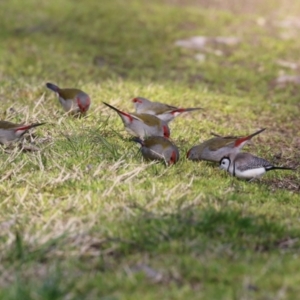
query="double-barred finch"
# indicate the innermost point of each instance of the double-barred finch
(158, 148)
(247, 166)
(142, 125)
(163, 111)
(73, 101)
(10, 132)
(216, 148)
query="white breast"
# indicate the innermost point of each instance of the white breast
(251, 173)
(167, 117)
(68, 105)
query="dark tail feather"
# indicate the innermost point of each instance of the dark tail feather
(249, 137)
(137, 140)
(181, 110)
(256, 133)
(192, 108)
(112, 107)
(36, 124)
(121, 113)
(280, 168)
(52, 87)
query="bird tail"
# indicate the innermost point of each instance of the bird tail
(52, 87)
(192, 108)
(138, 140)
(240, 141)
(181, 110)
(121, 113)
(26, 127)
(281, 168)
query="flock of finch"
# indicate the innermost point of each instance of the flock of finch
(149, 125)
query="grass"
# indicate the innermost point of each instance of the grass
(85, 217)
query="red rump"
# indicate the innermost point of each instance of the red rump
(241, 140)
(23, 128)
(126, 115)
(179, 110)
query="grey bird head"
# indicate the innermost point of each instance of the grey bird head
(140, 103)
(83, 102)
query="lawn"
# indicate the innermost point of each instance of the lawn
(85, 217)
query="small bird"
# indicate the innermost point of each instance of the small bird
(142, 125)
(163, 111)
(74, 101)
(247, 166)
(217, 147)
(10, 132)
(158, 148)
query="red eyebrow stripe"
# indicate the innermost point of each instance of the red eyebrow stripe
(137, 100)
(166, 131)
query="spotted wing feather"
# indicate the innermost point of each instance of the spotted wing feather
(246, 161)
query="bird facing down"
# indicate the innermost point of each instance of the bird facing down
(163, 111)
(158, 148)
(217, 147)
(9, 132)
(73, 101)
(247, 166)
(142, 125)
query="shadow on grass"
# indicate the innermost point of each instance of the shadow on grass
(189, 231)
(197, 231)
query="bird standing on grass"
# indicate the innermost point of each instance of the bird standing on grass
(247, 166)
(163, 111)
(74, 101)
(9, 132)
(142, 125)
(158, 148)
(216, 148)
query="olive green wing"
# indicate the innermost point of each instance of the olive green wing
(8, 125)
(69, 93)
